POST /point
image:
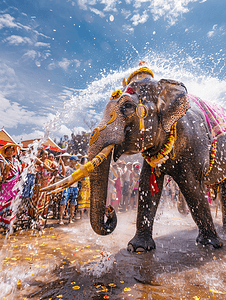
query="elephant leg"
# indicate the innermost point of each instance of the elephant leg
(195, 195)
(147, 207)
(222, 192)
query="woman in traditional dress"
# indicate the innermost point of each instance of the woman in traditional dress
(10, 169)
(116, 197)
(135, 185)
(84, 193)
(45, 170)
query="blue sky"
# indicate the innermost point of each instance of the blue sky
(60, 60)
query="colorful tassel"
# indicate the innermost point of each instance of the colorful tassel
(153, 183)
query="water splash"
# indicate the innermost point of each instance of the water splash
(203, 76)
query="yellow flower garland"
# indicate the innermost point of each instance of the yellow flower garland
(160, 157)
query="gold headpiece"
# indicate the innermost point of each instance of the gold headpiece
(141, 70)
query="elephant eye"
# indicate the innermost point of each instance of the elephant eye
(127, 108)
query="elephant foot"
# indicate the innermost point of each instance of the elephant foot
(141, 244)
(215, 241)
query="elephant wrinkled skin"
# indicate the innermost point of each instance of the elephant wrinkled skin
(166, 102)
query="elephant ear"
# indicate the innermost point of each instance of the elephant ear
(172, 102)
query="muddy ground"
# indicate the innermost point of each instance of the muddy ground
(72, 262)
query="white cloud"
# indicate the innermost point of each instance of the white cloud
(40, 44)
(128, 28)
(12, 114)
(64, 64)
(76, 62)
(126, 13)
(82, 4)
(169, 9)
(63, 131)
(52, 66)
(137, 19)
(17, 40)
(210, 33)
(37, 56)
(36, 134)
(110, 5)
(216, 31)
(30, 54)
(8, 79)
(7, 21)
(97, 12)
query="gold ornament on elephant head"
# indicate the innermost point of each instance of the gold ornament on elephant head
(142, 72)
(142, 113)
(95, 133)
(94, 136)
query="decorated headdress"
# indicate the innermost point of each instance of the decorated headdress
(144, 69)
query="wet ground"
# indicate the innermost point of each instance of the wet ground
(72, 262)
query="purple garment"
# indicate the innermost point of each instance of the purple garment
(7, 194)
(214, 114)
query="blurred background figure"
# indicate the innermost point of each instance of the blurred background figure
(54, 199)
(84, 193)
(45, 172)
(135, 184)
(115, 186)
(69, 195)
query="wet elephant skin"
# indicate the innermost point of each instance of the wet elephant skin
(166, 102)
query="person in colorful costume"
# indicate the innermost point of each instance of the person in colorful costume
(135, 185)
(115, 187)
(45, 169)
(84, 193)
(70, 193)
(10, 170)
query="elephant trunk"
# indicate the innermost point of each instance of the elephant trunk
(99, 185)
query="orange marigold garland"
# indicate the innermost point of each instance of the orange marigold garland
(212, 155)
(161, 156)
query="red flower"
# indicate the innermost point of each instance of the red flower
(130, 90)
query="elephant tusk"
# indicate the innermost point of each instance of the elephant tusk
(82, 172)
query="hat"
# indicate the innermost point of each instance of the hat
(15, 146)
(65, 155)
(74, 157)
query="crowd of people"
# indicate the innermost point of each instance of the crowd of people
(23, 175)
(40, 171)
(123, 185)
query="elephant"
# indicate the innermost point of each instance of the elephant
(168, 126)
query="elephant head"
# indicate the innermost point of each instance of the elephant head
(156, 105)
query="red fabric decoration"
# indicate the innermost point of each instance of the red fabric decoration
(130, 90)
(153, 183)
